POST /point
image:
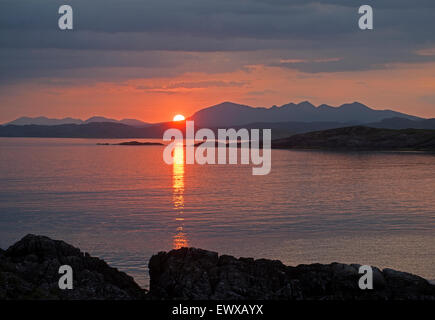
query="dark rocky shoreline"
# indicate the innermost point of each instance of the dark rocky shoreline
(29, 270)
(360, 138)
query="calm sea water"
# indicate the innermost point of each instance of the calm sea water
(124, 204)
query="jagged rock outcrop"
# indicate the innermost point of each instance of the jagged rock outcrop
(29, 270)
(190, 273)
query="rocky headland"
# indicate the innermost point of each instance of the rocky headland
(361, 138)
(29, 270)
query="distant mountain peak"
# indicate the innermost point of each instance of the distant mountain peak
(229, 104)
(99, 119)
(305, 104)
(355, 105)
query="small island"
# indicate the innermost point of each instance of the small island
(132, 143)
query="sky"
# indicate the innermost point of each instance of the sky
(152, 59)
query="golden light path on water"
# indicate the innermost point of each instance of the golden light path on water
(180, 237)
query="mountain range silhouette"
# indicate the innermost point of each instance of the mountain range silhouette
(284, 121)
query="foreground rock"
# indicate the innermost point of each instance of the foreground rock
(361, 138)
(190, 273)
(29, 270)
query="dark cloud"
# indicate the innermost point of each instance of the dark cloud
(169, 37)
(193, 85)
(260, 93)
(205, 84)
(107, 66)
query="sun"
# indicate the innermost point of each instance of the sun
(179, 117)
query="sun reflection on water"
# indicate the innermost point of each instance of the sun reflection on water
(180, 237)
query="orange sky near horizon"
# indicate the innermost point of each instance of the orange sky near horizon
(408, 88)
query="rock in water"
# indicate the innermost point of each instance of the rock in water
(190, 273)
(29, 270)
